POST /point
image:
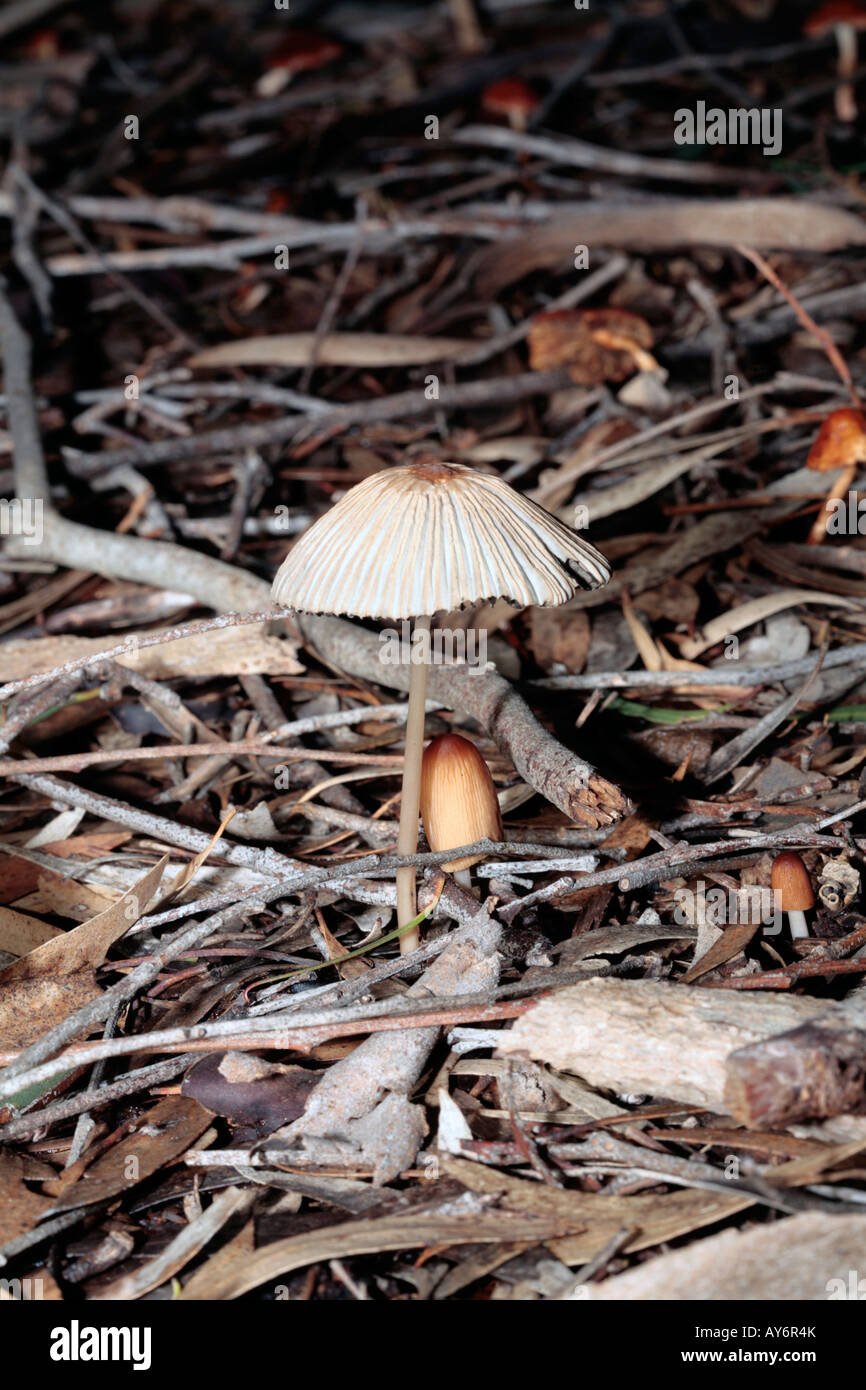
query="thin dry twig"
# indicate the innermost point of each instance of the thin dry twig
(834, 356)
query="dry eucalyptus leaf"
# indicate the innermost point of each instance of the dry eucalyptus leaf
(67, 897)
(461, 1220)
(756, 611)
(652, 1218)
(58, 977)
(558, 636)
(789, 223)
(256, 824)
(21, 933)
(334, 350)
(20, 1206)
(58, 829)
(160, 1137)
(249, 1090)
(674, 600)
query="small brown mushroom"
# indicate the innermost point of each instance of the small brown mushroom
(790, 879)
(842, 18)
(458, 799)
(510, 97)
(839, 443)
(298, 51)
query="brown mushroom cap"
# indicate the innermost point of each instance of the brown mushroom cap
(827, 17)
(790, 879)
(840, 442)
(458, 798)
(303, 51)
(511, 96)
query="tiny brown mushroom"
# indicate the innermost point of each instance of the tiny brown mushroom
(842, 18)
(790, 879)
(839, 443)
(298, 51)
(511, 97)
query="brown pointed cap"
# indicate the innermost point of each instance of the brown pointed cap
(429, 537)
(790, 879)
(840, 442)
(458, 798)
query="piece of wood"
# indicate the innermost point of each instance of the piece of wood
(810, 1072)
(222, 652)
(657, 1038)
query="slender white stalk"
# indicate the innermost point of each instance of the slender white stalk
(410, 803)
(797, 922)
(464, 878)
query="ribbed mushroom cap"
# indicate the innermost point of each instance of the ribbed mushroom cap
(790, 879)
(840, 442)
(428, 536)
(458, 799)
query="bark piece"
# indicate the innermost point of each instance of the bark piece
(811, 1072)
(222, 652)
(651, 1037)
(666, 1040)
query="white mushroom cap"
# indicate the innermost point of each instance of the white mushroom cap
(429, 536)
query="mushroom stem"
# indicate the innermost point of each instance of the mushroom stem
(839, 488)
(410, 802)
(464, 878)
(845, 100)
(797, 923)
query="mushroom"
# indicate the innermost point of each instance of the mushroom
(790, 879)
(510, 97)
(458, 800)
(595, 345)
(839, 443)
(843, 18)
(418, 539)
(298, 51)
(43, 45)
